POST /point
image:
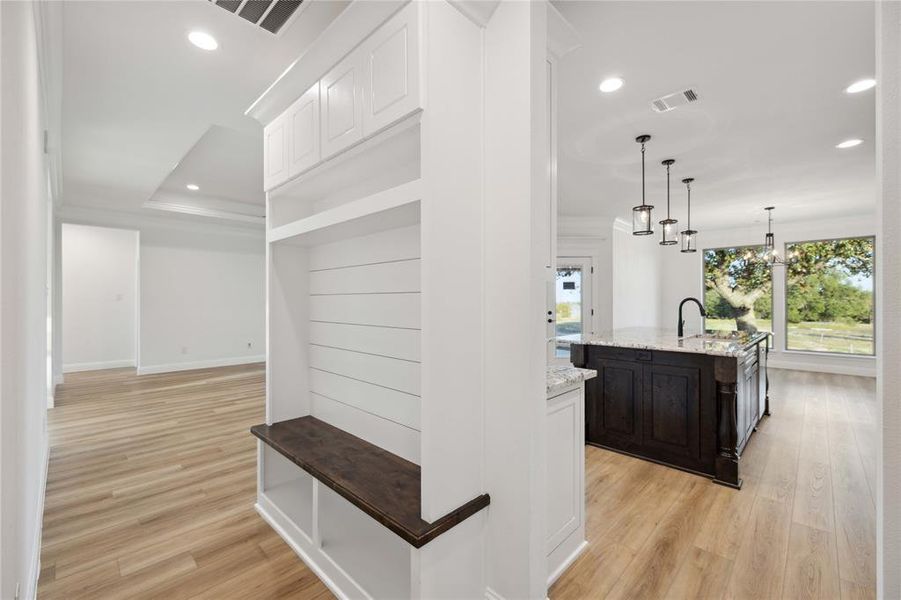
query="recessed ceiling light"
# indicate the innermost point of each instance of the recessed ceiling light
(193, 187)
(611, 84)
(849, 143)
(203, 40)
(861, 86)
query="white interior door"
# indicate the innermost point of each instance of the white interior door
(574, 308)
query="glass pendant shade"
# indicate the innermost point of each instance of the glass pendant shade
(641, 214)
(641, 220)
(689, 240)
(769, 243)
(669, 232)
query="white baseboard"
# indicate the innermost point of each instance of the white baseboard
(863, 370)
(200, 364)
(566, 563)
(97, 366)
(34, 565)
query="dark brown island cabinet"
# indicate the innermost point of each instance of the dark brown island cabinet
(693, 408)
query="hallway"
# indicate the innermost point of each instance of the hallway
(151, 487)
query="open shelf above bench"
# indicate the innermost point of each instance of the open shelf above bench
(381, 484)
(388, 209)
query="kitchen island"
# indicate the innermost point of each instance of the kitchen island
(691, 402)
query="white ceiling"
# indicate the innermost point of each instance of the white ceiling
(770, 77)
(145, 112)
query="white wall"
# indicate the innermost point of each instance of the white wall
(202, 300)
(99, 294)
(681, 276)
(636, 269)
(201, 289)
(888, 298)
(24, 219)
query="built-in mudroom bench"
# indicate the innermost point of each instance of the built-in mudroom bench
(383, 485)
(394, 212)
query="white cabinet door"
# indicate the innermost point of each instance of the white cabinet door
(391, 67)
(303, 132)
(341, 95)
(275, 153)
(564, 466)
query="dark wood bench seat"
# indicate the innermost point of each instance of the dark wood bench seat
(381, 484)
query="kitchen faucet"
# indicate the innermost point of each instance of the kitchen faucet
(681, 320)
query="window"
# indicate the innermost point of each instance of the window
(738, 289)
(829, 303)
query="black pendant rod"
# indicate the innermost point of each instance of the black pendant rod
(642, 139)
(668, 162)
(687, 181)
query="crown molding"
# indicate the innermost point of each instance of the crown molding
(87, 215)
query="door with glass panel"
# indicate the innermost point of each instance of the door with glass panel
(573, 315)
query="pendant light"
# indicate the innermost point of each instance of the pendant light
(669, 224)
(689, 236)
(769, 242)
(641, 215)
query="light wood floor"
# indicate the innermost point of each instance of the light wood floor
(151, 488)
(144, 501)
(803, 526)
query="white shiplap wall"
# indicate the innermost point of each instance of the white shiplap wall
(365, 337)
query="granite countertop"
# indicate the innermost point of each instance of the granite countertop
(561, 377)
(646, 338)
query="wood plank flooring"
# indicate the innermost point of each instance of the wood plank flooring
(803, 526)
(142, 502)
(151, 488)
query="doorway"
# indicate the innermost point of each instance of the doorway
(574, 308)
(100, 297)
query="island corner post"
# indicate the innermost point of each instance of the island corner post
(726, 465)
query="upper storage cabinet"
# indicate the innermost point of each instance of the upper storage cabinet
(303, 123)
(342, 104)
(275, 155)
(374, 86)
(291, 141)
(391, 68)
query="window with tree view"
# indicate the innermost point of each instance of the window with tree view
(738, 289)
(829, 296)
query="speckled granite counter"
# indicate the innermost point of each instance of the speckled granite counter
(561, 377)
(668, 341)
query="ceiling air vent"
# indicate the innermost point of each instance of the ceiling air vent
(271, 15)
(674, 100)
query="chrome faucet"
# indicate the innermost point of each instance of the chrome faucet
(681, 320)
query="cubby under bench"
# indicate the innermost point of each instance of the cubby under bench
(368, 554)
